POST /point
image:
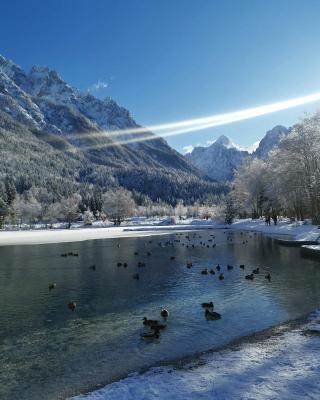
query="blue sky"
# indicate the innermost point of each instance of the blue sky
(168, 60)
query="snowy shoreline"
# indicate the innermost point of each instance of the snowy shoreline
(280, 362)
(296, 231)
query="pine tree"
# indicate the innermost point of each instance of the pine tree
(230, 212)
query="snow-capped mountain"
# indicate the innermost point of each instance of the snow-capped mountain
(223, 157)
(43, 94)
(44, 104)
(271, 140)
(219, 160)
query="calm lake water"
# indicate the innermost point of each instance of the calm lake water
(49, 352)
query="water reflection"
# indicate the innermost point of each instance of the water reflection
(48, 351)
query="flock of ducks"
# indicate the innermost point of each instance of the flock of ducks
(155, 327)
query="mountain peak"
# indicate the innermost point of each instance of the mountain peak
(224, 141)
(271, 140)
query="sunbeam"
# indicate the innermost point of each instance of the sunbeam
(196, 124)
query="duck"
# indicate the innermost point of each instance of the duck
(256, 271)
(250, 277)
(125, 265)
(93, 267)
(164, 313)
(268, 276)
(70, 253)
(204, 271)
(207, 305)
(150, 322)
(229, 267)
(172, 258)
(212, 315)
(221, 277)
(218, 267)
(72, 305)
(242, 266)
(212, 272)
(136, 276)
(52, 286)
(136, 253)
(189, 264)
(64, 255)
(119, 264)
(75, 254)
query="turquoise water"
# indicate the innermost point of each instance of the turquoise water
(49, 352)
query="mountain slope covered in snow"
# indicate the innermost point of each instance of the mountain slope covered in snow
(43, 104)
(220, 160)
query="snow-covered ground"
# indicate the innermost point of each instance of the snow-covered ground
(285, 367)
(140, 226)
(297, 231)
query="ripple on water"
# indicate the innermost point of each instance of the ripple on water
(45, 345)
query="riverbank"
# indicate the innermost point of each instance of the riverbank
(78, 234)
(285, 366)
(140, 227)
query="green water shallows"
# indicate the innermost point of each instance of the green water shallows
(50, 352)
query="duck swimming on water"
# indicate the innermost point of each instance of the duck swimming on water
(268, 277)
(207, 305)
(204, 271)
(52, 286)
(72, 305)
(164, 313)
(212, 315)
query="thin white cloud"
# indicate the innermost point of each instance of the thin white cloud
(187, 149)
(252, 147)
(96, 87)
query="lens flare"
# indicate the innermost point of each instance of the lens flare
(141, 134)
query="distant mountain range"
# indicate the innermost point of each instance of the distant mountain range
(53, 135)
(220, 160)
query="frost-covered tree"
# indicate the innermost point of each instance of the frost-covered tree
(180, 210)
(118, 205)
(88, 217)
(249, 189)
(3, 211)
(26, 208)
(296, 168)
(70, 208)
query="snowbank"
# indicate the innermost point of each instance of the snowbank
(76, 234)
(297, 231)
(285, 366)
